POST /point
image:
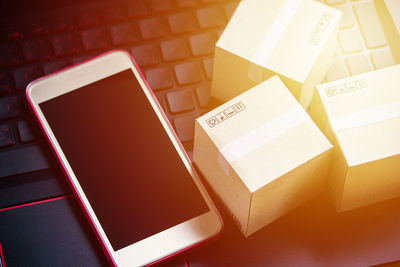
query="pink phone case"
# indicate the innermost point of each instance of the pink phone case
(105, 249)
(2, 257)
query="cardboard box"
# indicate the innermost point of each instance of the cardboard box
(389, 15)
(294, 39)
(360, 115)
(262, 154)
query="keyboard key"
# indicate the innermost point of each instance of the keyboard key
(22, 160)
(182, 23)
(184, 127)
(208, 67)
(9, 107)
(174, 50)
(210, 17)
(95, 39)
(12, 33)
(337, 70)
(185, 3)
(112, 14)
(153, 28)
(10, 55)
(180, 101)
(159, 6)
(369, 23)
(25, 131)
(123, 34)
(358, 64)
(6, 135)
(87, 19)
(382, 59)
(51, 67)
(202, 44)
(36, 28)
(23, 76)
(137, 8)
(63, 23)
(350, 41)
(6, 85)
(203, 95)
(159, 78)
(347, 19)
(66, 44)
(188, 73)
(35, 50)
(145, 55)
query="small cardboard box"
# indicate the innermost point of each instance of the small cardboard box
(360, 115)
(294, 39)
(262, 154)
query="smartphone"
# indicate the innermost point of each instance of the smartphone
(123, 160)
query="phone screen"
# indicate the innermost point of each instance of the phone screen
(125, 162)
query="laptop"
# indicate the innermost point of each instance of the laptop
(173, 41)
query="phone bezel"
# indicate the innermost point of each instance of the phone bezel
(163, 244)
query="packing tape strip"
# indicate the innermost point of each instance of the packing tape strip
(260, 136)
(366, 116)
(255, 72)
(276, 31)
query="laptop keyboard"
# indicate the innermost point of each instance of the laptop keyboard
(173, 43)
(362, 45)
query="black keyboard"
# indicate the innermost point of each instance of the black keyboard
(172, 41)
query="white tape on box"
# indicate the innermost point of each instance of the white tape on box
(276, 31)
(261, 135)
(366, 116)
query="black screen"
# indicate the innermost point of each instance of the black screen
(121, 155)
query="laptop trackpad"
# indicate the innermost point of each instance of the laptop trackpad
(51, 233)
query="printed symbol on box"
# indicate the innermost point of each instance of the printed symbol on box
(341, 89)
(239, 106)
(330, 92)
(212, 122)
(230, 111)
(221, 116)
(226, 114)
(362, 83)
(346, 87)
(320, 29)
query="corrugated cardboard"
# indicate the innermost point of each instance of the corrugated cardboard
(262, 154)
(361, 116)
(294, 39)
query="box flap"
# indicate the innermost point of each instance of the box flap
(264, 133)
(364, 113)
(285, 36)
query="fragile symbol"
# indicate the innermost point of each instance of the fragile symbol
(346, 87)
(226, 114)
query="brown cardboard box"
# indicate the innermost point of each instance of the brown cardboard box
(360, 115)
(295, 39)
(262, 154)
